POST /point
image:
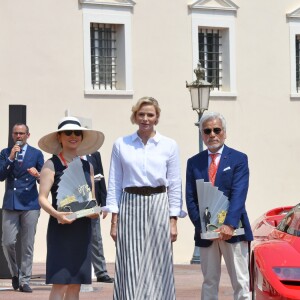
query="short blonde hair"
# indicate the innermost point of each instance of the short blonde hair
(140, 103)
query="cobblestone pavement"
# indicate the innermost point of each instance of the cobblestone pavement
(188, 279)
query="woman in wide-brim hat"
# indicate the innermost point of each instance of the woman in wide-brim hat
(68, 262)
(92, 140)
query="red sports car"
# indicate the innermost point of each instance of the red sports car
(275, 255)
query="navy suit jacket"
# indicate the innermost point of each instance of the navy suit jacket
(20, 187)
(232, 179)
(100, 187)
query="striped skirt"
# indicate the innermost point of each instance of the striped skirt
(144, 263)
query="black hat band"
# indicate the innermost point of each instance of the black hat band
(68, 122)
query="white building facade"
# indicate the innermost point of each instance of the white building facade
(96, 58)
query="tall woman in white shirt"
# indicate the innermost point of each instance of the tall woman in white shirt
(144, 197)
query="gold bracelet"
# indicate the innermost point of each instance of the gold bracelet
(113, 222)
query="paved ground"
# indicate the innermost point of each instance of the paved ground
(188, 279)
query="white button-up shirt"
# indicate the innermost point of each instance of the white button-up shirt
(135, 164)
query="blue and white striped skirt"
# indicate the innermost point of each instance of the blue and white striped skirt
(144, 262)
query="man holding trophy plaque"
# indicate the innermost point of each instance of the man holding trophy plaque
(217, 181)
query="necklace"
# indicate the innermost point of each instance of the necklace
(64, 161)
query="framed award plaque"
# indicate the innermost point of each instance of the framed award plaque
(74, 194)
(213, 207)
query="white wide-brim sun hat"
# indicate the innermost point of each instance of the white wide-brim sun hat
(91, 142)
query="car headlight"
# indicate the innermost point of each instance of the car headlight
(288, 273)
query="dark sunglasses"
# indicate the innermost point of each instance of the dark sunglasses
(208, 131)
(69, 132)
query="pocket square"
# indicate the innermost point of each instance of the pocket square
(226, 169)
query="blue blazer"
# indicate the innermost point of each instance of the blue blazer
(232, 179)
(20, 187)
(100, 186)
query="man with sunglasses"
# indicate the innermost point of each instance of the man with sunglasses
(20, 167)
(227, 169)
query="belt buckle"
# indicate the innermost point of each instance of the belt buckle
(146, 191)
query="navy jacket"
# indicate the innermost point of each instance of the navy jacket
(232, 179)
(100, 187)
(20, 187)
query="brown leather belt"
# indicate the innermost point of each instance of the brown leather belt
(145, 190)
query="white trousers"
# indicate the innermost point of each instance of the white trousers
(236, 257)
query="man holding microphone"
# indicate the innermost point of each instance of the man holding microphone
(20, 167)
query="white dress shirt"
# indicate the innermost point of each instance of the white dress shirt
(135, 164)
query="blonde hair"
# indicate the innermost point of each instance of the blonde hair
(140, 103)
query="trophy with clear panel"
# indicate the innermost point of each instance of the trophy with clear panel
(74, 194)
(213, 207)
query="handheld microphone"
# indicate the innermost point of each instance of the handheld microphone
(19, 143)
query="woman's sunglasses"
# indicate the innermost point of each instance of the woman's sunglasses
(208, 131)
(69, 132)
